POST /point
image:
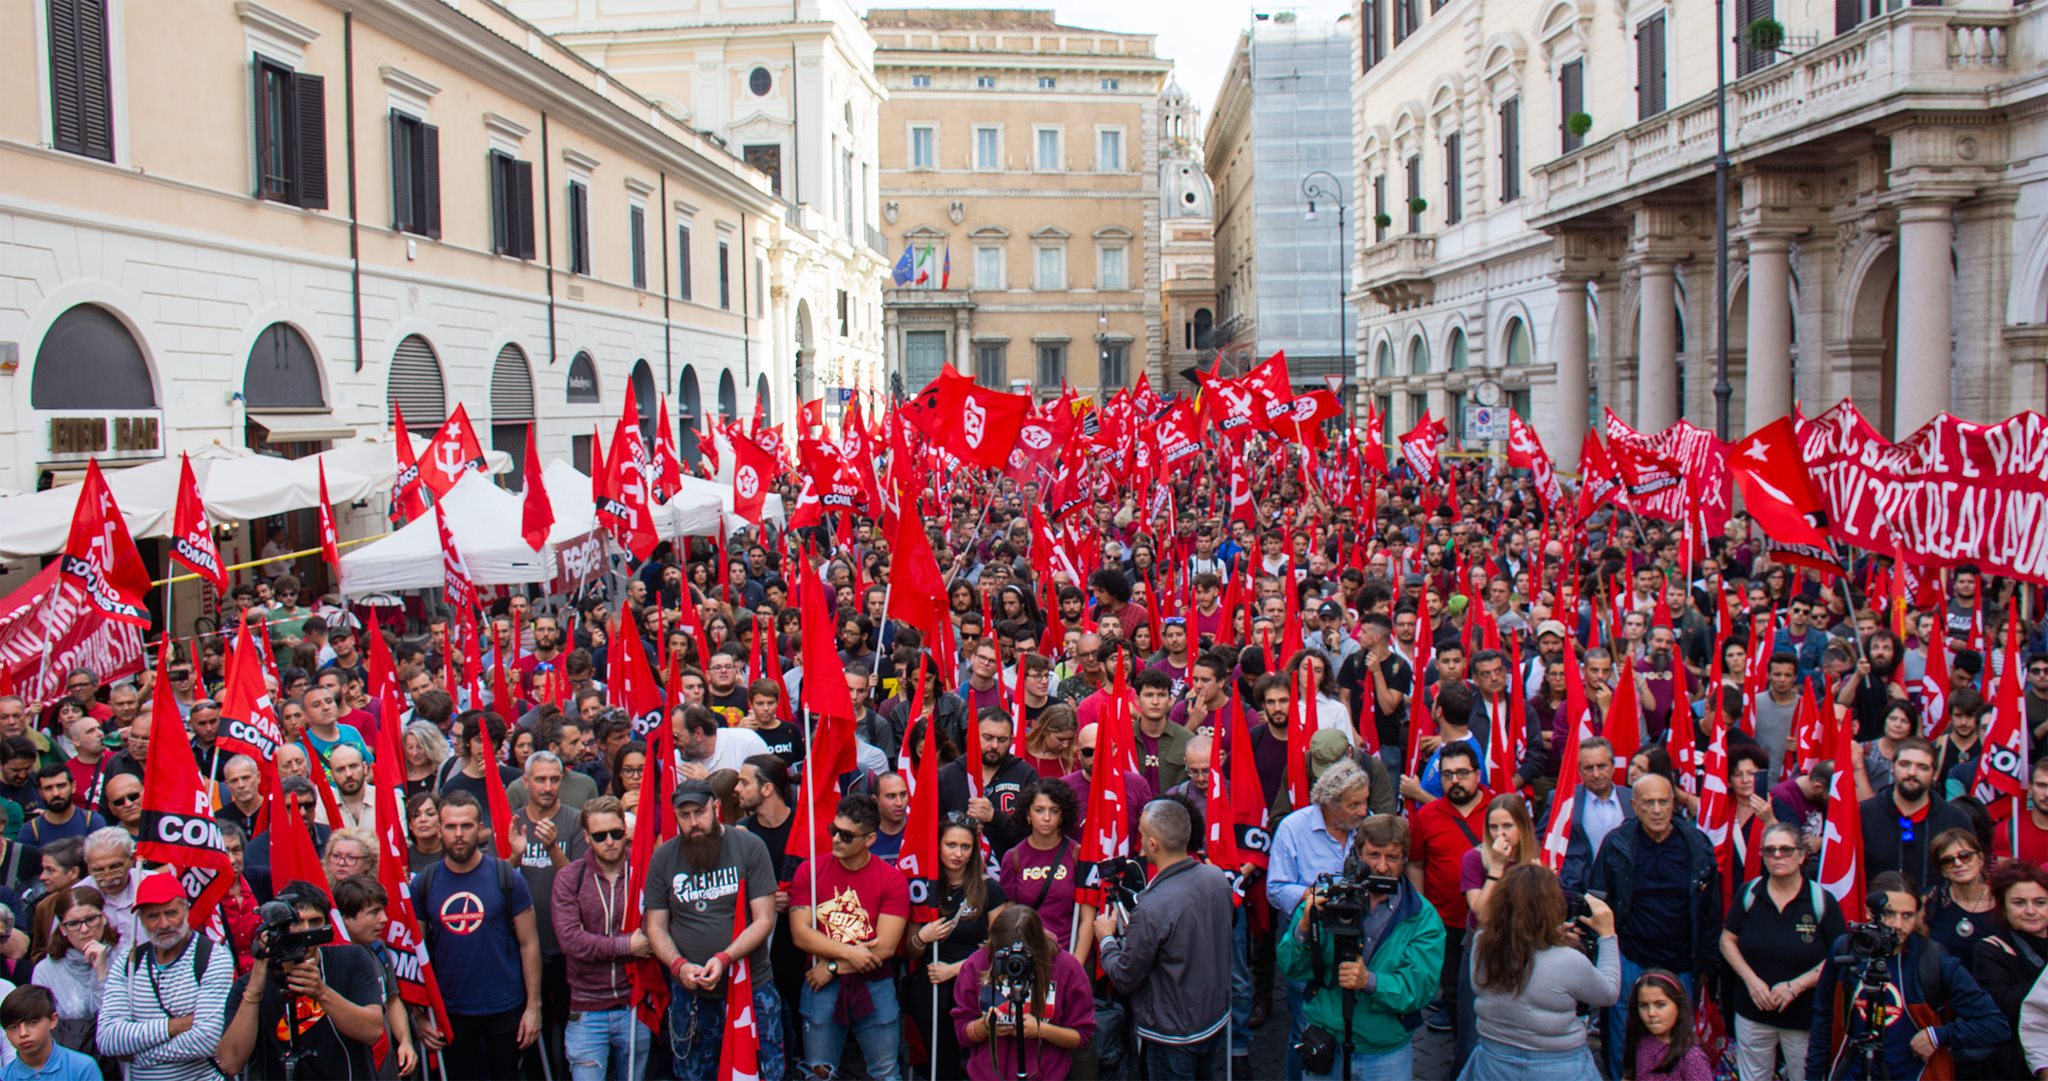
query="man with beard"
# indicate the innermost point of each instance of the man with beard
(1453, 710)
(162, 1013)
(695, 881)
(1204, 710)
(705, 746)
(999, 776)
(1443, 831)
(725, 691)
(477, 914)
(1659, 671)
(1901, 822)
(546, 655)
(1660, 877)
(352, 794)
(763, 789)
(1871, 692)
(60, 818)
(589, 916)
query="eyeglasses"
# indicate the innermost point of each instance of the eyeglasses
(123, 801)
(1458, 774)
(1087, 752)
(847, 836)
(602, 836)
(1958, 859)
(1780, 851)
(82, 923)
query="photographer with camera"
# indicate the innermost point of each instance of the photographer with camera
(320, 1013)
(1877, 967)
(1021, 1004)
(1171, 955)
(1531, 975)
(1371, 950)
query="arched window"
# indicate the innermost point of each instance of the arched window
(415, 385)
(1384, 361)
(1418, 356)
(1205, 321)
(690, 417)
(645, 396)
(1521, 352)
(512, 411)
(583, 385)
(89, 360)
(1460, 358)
(282, 372)
(728, 396)
(762, 402)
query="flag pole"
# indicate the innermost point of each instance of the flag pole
(935, 987)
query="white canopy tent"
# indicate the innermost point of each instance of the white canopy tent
(485, 522)
(706, 524)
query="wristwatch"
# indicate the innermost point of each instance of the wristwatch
(832, 967)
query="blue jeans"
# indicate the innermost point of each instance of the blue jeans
(596, 1044)
(1492, 1061)
(1297, 1008)
(1397, 1065)
(1185, 1062)
(696, 1032)
(1617, 1014)
(1240, 988)
(878, 1032)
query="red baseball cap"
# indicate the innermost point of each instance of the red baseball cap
(159, 889)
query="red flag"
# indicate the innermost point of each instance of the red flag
(1624, 727)
(456, 585)
(248, 719)
(1242, 508)
(1776, 486)
(494, 785)
(984, 423)
(1300, 729)
(1600, 481)
(1934, 685)
(330, 541)
(654, 825)
(101, 555)
(192, 542)
(753, 470)
(1106, 822)
(1221, 842)
(292, 856)
(453, 452)
(406, 500)
(2002, 772)
(632, 686)
(738, 1052)
(668, 468)
(1420, 445)
(537, 512)
(600, 477)
(1525, 451)
(1717, 806)
(919, 857)
(417, 984)
(828, 700)
(1841, 846)
(177, 813)
(1248, 804)
(1557, 838)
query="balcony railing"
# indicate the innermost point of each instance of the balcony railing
(1915, 58)
(878, 242)
(1398, 271)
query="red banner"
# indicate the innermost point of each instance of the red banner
(50, 615)
(1701, 458)
(1955, 491)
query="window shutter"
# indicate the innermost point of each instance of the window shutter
(259, 145)
(401, 173)
(504, 241)
(1414, 191)
(309, 141)
(579, 229)
(1510, 150)
(1454, 167)
(430, 179)
(683, 258)
(1650, 67)
(1571, 92)
(636, 218)
(1847, 14)
(522, 207)
(81, 92)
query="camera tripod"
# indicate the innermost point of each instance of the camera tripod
(1016, 993)
(1864, 1040)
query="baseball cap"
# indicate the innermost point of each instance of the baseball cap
(158, 889)
(1550, 626)
(1330, 610)
(1325, 749)
(697, 792)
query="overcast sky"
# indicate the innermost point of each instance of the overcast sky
(1197, 35)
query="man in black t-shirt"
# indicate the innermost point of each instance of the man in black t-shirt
(337, 1003)
(725, 687)
(1378, 683)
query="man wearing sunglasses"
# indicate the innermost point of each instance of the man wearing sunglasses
(862, 906)
(588, 912)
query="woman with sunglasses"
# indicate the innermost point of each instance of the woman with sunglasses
(968, 902)
(1960, 910)
(1779, 930)
(75, 970)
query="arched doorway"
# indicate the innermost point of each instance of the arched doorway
(806, 367)
(645, 397)
(1873, 347)
(512, 411)
(690, 416)
(90, 360)
(728, 396)
(415, 385)
(764, 403)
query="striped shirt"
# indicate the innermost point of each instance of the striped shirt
(138, 1002)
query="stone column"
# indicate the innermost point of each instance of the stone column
(1921, 375)
(1567, 426)
(1767, 379)
(963, 352)
(1657, 355)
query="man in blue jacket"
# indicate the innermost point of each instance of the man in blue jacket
(1598, 807)
(1945, 1009)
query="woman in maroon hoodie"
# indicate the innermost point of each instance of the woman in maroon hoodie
(590, 914)
(1057, 1008)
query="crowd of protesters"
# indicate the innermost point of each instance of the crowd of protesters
(1296, 632)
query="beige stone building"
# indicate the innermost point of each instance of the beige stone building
(1880, 151)
(1027, 151)
(272, 222)
(791, 88)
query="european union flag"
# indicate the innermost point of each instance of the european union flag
(905, 268)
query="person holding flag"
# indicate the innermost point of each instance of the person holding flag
(966, 899)
(849, 914)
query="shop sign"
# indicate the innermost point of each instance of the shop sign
(76, 435)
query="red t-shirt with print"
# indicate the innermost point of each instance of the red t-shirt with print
(850, 904)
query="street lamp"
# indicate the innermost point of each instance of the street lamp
(1322, 184)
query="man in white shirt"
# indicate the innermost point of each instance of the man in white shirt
(704, 746)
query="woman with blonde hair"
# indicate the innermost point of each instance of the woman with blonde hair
(1510, 842)
(1049, 745)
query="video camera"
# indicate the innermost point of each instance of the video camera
(1872, 939)
(1575, 910)
(275, 940)
(1123, 878)
(1345, 902)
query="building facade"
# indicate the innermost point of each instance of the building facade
(341, 210)
(791, 88)
(1878, 151)
(1279, 144)
(1187, 240)
(1020, 184)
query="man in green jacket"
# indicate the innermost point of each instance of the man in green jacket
(1403, 955)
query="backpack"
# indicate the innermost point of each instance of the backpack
(204, 953)
(1756, 885)
(426, 888)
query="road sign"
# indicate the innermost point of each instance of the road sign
(1486, 422)
(1334, 380)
